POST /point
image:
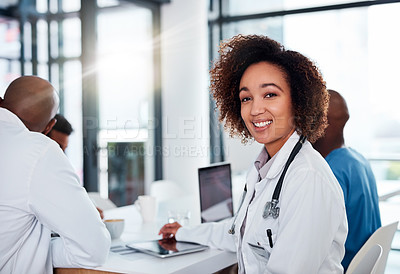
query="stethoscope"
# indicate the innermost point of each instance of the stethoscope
(271, 208)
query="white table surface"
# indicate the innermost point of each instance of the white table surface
(129, 261)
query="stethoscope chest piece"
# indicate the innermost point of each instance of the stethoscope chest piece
(271, 209)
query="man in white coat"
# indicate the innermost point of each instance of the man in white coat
(39, 190)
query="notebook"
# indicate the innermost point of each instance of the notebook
(215, 187)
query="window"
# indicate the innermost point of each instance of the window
(9, 52)
(125, 86)
(238, 7)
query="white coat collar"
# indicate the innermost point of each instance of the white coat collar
(279, 162)
(282, 156)
(9, 117)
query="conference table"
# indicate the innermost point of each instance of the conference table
(124, 260)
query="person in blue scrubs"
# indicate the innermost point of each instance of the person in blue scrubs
(355, 177)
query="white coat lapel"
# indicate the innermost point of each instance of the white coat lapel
(282, 156)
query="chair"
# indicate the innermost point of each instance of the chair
(370, 262)
(383, 236)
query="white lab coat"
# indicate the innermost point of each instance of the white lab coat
(40, 193)
(310, 232)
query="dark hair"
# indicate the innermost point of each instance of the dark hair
(62, 125)
(308, 91)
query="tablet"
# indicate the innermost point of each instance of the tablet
(166, 247)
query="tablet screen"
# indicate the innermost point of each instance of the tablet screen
(166, 247)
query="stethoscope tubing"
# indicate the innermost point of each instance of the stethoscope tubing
(293, 154)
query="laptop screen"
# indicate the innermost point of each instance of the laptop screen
(215, 192)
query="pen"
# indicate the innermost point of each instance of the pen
(269, 234)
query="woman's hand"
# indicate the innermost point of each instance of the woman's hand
(168, 244)
(169, 230)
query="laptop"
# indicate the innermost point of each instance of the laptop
(215, 185)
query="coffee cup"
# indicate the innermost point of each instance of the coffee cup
(147, 207)
(115, 227)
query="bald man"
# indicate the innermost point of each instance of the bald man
(39, 191)
(355, 177)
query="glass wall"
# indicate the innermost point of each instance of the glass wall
(9, 52)
(240, 7)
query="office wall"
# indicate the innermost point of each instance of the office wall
(184, 57)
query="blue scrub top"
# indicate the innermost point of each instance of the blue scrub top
(357, 180)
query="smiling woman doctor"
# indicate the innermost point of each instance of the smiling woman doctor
(292, 216)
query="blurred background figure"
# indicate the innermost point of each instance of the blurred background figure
(61, 131)
(355, 177)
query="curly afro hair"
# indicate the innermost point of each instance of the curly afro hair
(308, 91)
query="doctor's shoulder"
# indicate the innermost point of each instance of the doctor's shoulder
(326, 176)
(311, 164)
